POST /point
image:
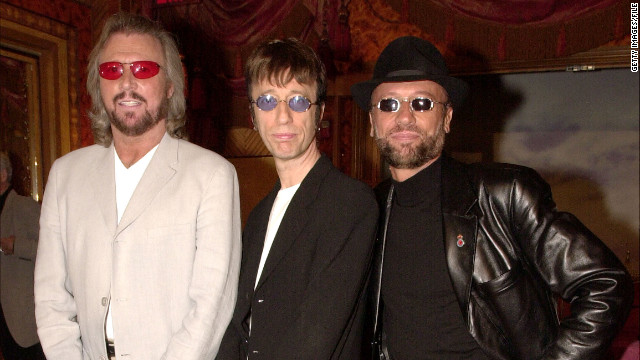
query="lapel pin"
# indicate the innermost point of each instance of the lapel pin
(460, 241)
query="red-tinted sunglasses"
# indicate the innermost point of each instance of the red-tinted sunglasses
(112, 70)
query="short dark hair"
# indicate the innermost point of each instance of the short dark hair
(283, 61)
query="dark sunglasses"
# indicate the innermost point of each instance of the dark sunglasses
(113, 70)
(297, 103)
(417, 104)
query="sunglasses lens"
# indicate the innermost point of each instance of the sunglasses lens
(110, 70)
(389, 105)
(144, 69)
(266, 102)
(299, 103)
(421, 104)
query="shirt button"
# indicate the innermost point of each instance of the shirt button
(105, 301)
(260, 300)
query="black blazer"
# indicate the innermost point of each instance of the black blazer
(309, 301)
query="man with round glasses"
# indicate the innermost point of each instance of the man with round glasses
(140, 243)
(307, 245)
(470, 258)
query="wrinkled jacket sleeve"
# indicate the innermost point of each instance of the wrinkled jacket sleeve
(576, 265)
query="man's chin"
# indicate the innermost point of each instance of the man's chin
(404, 152)
(409, 164)
(408, 157)
(133, 125)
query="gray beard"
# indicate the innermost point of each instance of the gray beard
(409, 156)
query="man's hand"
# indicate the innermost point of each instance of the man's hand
(6, 244)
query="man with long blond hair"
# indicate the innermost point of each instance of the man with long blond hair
(140, 234)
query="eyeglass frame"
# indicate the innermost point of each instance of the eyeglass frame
(251, 102)
(160, 67)
(406, 99)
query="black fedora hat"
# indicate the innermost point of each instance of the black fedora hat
(409, 58)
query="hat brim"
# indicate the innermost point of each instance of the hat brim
(457, 89)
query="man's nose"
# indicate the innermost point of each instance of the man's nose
(128, 81)
(283, 112)
(405, 115)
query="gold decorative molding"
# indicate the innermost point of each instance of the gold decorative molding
(51, 43)
(33, 21)
(24, 130)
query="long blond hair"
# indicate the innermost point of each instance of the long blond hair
(128, 23)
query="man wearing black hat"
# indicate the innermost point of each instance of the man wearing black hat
(474, 255)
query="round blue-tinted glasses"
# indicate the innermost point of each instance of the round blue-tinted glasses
(297, 103)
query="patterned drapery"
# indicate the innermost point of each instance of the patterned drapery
(525, 11)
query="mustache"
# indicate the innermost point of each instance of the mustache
(398, 128)
(407, 127)
(134, 95)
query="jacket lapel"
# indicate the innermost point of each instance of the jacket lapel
(162, 167)
(102, 179)
(460, 226)
(296, 216)
(254, 241)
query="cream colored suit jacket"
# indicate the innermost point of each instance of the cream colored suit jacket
(20, 219)
(169, 268)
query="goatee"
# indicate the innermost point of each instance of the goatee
(146, 122)
(409, 156)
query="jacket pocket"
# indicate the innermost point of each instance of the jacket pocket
(521, 309)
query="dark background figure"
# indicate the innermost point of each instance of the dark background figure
(18, 245)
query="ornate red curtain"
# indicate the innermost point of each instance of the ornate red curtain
(493, 35)
(237, 23)
(525, 11)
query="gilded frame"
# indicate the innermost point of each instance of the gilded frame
(55, 112)
(34, 156)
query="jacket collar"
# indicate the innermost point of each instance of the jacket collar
(296, 216)
(457, 195)
(162, 167)
(102, 180)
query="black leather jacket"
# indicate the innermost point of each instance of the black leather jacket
(509, 252)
